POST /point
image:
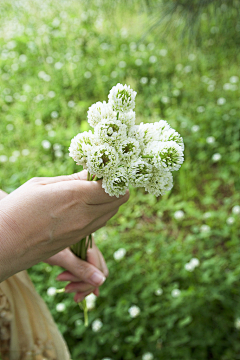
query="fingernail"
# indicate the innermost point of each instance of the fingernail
(97, 279)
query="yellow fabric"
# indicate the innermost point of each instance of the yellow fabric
(27, 329)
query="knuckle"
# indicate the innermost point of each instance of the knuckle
(34, 180)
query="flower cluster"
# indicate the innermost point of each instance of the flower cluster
(122, 153)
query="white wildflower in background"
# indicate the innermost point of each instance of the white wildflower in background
(221, 101)
(236, 210)
(176, 293)
(195, 128)
(158, 292)
(216, 157)
(237, 323)
(91, 301)
(205, 228)
(51, 291)
(119, 254)
(179, 214)
(97, 325)
(147, 356)
(210, 139)
(192, 264)
(60, 307)
(46, 144)
(122, 98)
(134, 311)
(230, 220)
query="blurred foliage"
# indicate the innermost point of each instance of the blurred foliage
(56, 59)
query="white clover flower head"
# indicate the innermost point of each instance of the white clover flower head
(111, 131)
(119, 254)
(91, 301)
(236, 210)
(147, 356)
(153, 131)
(230, 220)
(205, 228)
(172, 135)
(237, 323)
(122, 98)
(179, 214)
(60, 307)
(100, 111)
(102, 160)
(134, 311)
(51, 291)
(158, 292)
(137, 133)
(234, 79)
(164, 155)
(80, 145)
(97, 325)
(176, 293)
(129, 149)
(161, 182)
(127, 118)
(116, 182)
(216, 157)
(140, 173)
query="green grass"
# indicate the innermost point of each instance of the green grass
(56, 60)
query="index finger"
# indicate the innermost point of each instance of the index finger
(94, 194)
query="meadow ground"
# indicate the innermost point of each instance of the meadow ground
(56, 59)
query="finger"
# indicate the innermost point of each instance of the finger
(79, 287)
(96, 292)
(92, 192)
(83, 270)
(95, 258)
(82, 175)
(67, 276)
(80, 296)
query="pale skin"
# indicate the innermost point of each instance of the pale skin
(44, 216)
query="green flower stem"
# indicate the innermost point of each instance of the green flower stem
(147, 157)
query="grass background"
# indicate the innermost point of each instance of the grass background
(56, 59)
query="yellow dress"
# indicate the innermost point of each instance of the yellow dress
(27, 329)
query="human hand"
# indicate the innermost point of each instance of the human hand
(46, 215)
(79, 272)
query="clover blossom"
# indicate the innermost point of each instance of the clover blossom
(140, 173)
(100, 111)
(167, 155)
(111, 131)
(116, 183)
(172, 135)
(127, 118)
(79, 147)
(129, 149)
(122, 98)
(161, 182)
(102, 159)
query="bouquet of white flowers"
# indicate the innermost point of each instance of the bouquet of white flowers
(122, 153)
